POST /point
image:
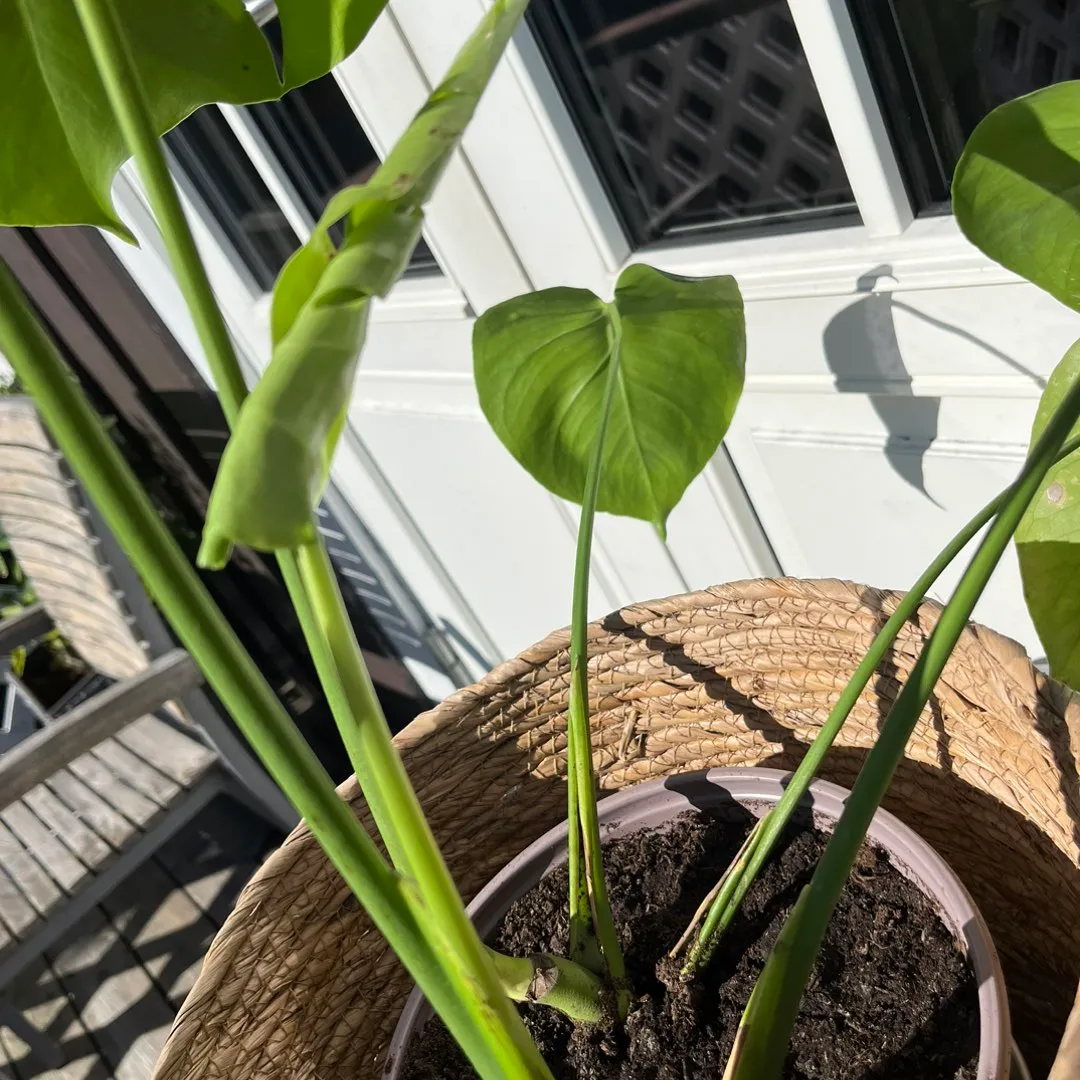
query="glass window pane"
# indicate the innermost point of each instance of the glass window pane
(700, 114)
(208, 154)
(319, 146)
(941, 65)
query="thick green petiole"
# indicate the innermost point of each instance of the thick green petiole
(730, 891)
(550, 980)
(369, 743)
(587, 882)
(473, 1005)
(177, 590)
(788, 968)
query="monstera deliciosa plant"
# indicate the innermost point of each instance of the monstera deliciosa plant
(614, 404)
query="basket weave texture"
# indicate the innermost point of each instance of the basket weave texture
(298, 986)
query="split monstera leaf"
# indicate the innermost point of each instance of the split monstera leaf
(60, 144)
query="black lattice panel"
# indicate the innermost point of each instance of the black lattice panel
(1027, 44)
(721, 122)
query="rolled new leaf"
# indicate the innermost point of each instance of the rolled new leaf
(541, 362)
(275, 467)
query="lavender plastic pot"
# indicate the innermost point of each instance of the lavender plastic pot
(654, 804)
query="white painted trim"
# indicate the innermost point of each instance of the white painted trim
(953, 386)
(417, 299)
(515, 148)
(262, 11)
(254, 144)
(385, 86)
(847, 95)
(544, 153)
(726, 487)
(554, 119)
(380, 390)
(945, 448)
(931, 253)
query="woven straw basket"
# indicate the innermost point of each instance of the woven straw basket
(298, 986)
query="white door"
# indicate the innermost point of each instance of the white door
(892, 371)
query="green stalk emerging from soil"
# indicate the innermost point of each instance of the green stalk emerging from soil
(590, 909)
(770, 1015)
(722, 904)
(231, 673)
(551, 980)
(477, 1005)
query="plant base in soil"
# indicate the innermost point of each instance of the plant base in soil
(892, 996)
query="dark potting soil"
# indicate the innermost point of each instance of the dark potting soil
(891, 997)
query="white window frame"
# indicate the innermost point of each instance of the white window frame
(549, 181)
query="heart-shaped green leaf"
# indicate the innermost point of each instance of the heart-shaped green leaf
(1048, 540)
(1016, 189)
(59, 144)
(541, 363)
(319, 34)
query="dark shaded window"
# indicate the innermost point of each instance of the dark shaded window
(320, 147)
(697, 112)
(214, 162)
(941, 65)
(764, 94)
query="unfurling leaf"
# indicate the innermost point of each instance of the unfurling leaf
(276, 465)
(1048, 540)
(319, 34)
(59, 143)
(1016, 189)
(541, 363)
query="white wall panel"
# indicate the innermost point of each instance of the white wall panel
(875, 426)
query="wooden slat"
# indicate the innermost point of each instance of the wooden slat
(43, 1002)
(63, 517)
(164, 927)
(7, 1062)
(58, 863)
(16, 915)
(38, 757)
(58, 543)
(180, 757)
(135, 772)
(114, 996)
(131, 805)
(28, 460)
(84, 844)
(216, 855)
(87, 805)
(40, 891)
(33, 499)
(6, 939)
